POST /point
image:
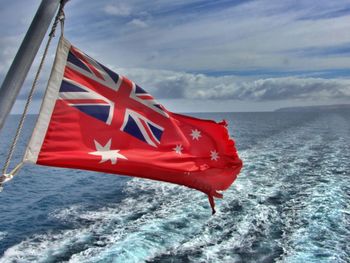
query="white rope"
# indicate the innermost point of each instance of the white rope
(5, 177)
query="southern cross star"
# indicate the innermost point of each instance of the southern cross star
(178, 149)
(214, 155)
(196, 134)
(106, 153)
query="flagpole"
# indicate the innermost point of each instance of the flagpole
(25, 55)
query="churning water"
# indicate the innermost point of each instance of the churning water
(291, 203)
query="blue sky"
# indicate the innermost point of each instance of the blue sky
(197, 55)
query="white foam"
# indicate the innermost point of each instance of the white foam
(3, 235)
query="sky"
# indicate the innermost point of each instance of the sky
(204, 55)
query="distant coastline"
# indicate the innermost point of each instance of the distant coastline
(315, 108)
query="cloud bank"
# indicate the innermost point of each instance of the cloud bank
(170, 84)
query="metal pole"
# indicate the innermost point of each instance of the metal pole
(25, 56)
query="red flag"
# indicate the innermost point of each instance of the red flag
(95, 119)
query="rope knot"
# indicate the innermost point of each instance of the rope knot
(4, 179)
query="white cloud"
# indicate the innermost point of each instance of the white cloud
(118, 9)
(138, 23)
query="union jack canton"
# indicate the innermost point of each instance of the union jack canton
(99, 101)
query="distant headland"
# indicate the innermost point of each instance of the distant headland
(315, 108)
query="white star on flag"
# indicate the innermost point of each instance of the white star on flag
(178, 149)
(106, 153)
(214, 155)
(196, 134)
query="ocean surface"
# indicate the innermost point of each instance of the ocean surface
(291, 203)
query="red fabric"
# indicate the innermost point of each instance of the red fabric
(71, 139)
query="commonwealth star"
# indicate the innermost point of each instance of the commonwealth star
(178, 149)
(214, 155)
(106, 153)
(196, 134)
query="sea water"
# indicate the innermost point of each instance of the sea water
(291, 202)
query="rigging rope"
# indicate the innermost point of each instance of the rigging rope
(8, 176)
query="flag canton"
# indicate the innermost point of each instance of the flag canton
(83, 86)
